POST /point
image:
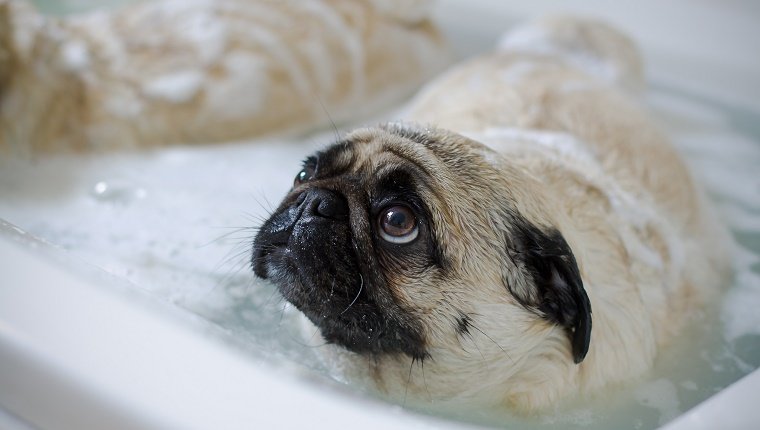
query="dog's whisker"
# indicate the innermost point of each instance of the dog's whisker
(492, 340)
(227, 235)
(256, 220)
(233, 272)
(424, 380)
(234, 261)
(268, 208)
(329, 117)
(274, 293)
(409, 379)
(483, 357)
(316, 330)
(361, 286)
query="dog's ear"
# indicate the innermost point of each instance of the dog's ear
(557, 292)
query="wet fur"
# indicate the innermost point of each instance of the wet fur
(526, 237)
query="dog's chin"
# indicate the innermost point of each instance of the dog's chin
(274, 264)
(353, 321)
(279, 266)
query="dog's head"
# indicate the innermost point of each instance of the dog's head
(398, 241)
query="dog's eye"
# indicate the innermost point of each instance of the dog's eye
(398, 224)
(304, 175)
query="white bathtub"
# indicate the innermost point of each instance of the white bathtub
(83, 349)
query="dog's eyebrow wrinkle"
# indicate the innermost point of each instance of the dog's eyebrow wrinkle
(417, 136)
(405, 157)
(390, 172)
(336, 159)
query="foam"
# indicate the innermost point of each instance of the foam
(178, 87)
(563, 146)
(75, 56)
(661, 395)
(535, 39)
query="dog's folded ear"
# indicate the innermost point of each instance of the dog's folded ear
(557, 292)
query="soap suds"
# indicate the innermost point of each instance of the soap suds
(535, 39)
(75, 56)
(662, 396)
(517, 71)
(636, 210)
(178, 87)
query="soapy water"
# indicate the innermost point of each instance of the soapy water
(179, 222)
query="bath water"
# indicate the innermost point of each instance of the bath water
(178, 223)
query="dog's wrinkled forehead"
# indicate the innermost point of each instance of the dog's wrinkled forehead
(447, 159)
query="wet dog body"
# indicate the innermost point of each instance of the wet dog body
(480, 254)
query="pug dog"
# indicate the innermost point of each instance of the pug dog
(527, 236)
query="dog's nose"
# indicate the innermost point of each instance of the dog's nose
(325, 204)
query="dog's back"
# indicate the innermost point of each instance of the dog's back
(559, 99)
(573, 76)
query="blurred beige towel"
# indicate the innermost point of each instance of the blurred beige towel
(196, 71)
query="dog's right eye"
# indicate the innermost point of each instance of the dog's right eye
(398, 224)
(304, 175)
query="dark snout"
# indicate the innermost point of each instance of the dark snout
(306, 249)
(294, 224)
(320, 203)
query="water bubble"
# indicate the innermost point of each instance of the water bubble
(118, 192)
